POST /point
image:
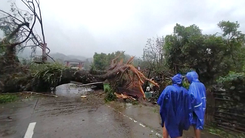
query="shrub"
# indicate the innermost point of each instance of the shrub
(47, 75)
(5, 98)
(110, 96)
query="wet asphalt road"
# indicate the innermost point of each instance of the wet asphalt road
(70, 116)
(89, 117)
(64, 117)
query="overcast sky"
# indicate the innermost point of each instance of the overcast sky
(82, 27)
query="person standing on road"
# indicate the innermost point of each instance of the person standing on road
(174, 104)
(198, 92)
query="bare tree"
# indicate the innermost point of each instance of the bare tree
(153, 55)
(18, 26)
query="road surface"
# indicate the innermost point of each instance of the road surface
(75, 117)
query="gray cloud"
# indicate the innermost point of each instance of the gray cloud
(83, 27)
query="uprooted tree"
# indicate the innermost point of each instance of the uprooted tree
(125, 78)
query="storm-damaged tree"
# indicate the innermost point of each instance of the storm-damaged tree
(18, 26)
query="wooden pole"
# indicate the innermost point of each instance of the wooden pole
(44, 56)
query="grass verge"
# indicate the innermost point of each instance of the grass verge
(224, 133)
(6, 98)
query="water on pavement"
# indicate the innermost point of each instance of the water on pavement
(70, 116)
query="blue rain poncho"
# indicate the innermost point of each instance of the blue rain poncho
(198, 91)
(175, 107)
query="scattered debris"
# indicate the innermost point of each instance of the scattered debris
(124, 96)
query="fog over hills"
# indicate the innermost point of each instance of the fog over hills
(57, 56)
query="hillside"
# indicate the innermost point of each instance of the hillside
(63, 57)
(57, 56)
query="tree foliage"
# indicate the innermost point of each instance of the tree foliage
(153, 56)
(210, 55)
(47, 75)
(2, 49)
(101, 61)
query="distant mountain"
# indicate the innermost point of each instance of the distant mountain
(63, 57)
(57, 56)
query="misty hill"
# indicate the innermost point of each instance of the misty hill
(57, 56)
(63, 57)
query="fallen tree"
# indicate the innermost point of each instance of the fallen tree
(123, 78)
(18, 26)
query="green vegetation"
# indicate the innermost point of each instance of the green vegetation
(223, 133)
(135, 102)
(186, 84)
(218, 58)
(5, 98)
(45, 76)
(155, 110)
(107, 87)
(102, 60)
(210, 55)
(31, 76)
(110, 96)
(232, 78)
(2, 49)
(49, 73)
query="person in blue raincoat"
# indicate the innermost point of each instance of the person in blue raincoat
(175, 107)
(198, 92)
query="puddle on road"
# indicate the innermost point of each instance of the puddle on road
(128, 105)
(72, 90)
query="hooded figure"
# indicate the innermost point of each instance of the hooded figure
(198, 92)
(175, 107)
